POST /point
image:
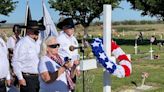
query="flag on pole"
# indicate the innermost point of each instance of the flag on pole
(48, 23)
(28, 16)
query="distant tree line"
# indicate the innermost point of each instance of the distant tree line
(130, 22)
(126, 22)
(134, 22)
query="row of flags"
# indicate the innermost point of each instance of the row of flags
(50, 28)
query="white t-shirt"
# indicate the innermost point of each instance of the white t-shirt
(11, 42)
(60, 84)
(65, 42)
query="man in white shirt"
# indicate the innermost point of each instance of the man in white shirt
(4, 66)
(25, 59)
(67, 42)
(11, 42)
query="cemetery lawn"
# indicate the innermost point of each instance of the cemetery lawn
(140, 63)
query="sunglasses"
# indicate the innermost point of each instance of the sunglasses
(54, 46)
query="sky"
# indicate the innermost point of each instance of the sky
(18, 15)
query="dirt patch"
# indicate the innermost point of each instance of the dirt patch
(139, 89)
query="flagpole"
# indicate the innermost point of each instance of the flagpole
(43, 8)
(107, 44)
(27, 5)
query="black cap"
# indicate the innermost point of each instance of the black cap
(66, 23)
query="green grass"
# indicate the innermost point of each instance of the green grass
(140, 64)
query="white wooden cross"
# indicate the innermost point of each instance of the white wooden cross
(107, 12)
(151, 52)
(136, 47)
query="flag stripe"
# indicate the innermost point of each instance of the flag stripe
(117, 52)
(127, 63)
(123, 57)
(127, 70)
(114, 46)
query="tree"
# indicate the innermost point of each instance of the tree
(149, 7)
(7, 6)
(83, 11)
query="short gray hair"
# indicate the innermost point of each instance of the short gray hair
(43, 48)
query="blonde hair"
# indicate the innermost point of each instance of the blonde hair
(43, 48)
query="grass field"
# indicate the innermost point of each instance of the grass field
(140, 63)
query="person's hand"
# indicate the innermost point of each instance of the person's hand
(77, 72)
(68, 64)
(8, 82)
(22, 82)
(76, 62)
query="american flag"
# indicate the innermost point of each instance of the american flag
(122, 69)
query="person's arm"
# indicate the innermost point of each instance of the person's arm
(49, 77)
(10, 45)
(75, 70)
(10, 54)
(8, 77)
